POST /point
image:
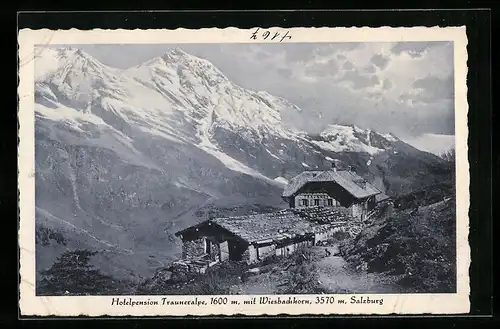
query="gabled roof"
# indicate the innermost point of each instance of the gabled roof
(282, 224)
(298, 181)
(349, 181)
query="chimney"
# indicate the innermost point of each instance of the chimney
(334, 167)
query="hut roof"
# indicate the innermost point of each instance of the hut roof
(349, 181)
(282, 224)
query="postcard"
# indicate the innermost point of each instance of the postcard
(295, 171)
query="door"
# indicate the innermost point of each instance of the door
(235, 250)
(224, 251)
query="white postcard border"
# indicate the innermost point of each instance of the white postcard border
(30, 304)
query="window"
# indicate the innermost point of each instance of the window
(305, 202)
(330, 202)
(316, 202)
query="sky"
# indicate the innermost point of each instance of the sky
(402, 88)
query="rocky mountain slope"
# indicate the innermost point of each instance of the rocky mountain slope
(122, 156)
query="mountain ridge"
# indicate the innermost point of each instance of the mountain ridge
(437, 144)
(120, 154)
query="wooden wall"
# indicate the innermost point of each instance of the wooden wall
(290, 248)
(322, 198)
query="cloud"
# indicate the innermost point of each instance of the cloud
(430, 89)
(301, 54)
(412, 94)
(375, 95)
(387, 84)
(370, 69)
(341, 57)
(415, 49)
(359, 81)
(286, 73)
(325, 50)
(380, 61)
(436, 86)
(329, 68)
(347, 46)
(261, 55)
(348, 66)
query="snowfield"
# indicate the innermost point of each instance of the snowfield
(178, 97)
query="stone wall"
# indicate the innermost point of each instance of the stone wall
(250, 255)
(193, 248)
(266, 251)
(357, 211)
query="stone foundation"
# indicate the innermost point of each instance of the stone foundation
(193, 248)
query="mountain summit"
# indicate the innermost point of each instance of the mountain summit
(120, 154)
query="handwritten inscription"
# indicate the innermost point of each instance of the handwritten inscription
(261, 34)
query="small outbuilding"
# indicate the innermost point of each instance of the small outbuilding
(253, 238)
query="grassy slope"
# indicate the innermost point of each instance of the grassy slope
(417, 247)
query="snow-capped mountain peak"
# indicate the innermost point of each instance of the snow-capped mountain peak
(176, 51)
(204, 95)
(178, 62)
(61, 61)
(351, 138)
(71, 76)
(186, 99)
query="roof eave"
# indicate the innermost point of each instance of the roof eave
(367, 195)
(229, 231)
(181, 232)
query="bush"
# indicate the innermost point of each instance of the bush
(211, 285)
(273, 259)
(216, 281)
(44, 235)
(425, 196)
(302, 276)
(72, 274)
(338, 236)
